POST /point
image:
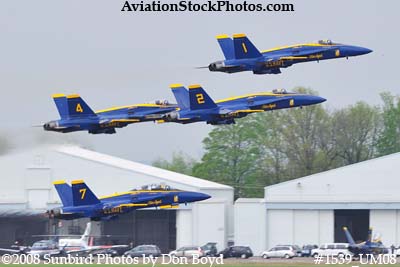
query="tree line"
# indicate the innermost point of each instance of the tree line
(272, 147)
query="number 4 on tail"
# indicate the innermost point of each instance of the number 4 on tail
(79, 108)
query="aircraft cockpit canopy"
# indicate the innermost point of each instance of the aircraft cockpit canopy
(326, 42)
(156, 187)
(162, 102)
(279, 91)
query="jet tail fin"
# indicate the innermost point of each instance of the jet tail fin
(348, 236)
(369, 239)
(85, 236)
(62, 105)
(64, 192)
(226, 44)
(244, 48)
(199, 99)
(78, 107)
(82, 195)
(181, 95)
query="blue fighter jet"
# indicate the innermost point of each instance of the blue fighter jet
(370, 246)
(196, 105)
(76, 115)
(241, 55)
(80, 202)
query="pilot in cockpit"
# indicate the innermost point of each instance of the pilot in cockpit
(161, 102)
(279, 91)
(326, 42)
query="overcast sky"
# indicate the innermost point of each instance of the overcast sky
(116, 58)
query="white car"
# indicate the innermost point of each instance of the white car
(188, 251)
(286, 252)
(331, 249)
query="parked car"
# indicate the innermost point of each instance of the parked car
(210, 249)
(188, 251)
(107, 251)
(307, 249)
(281, 251)
(335, 249)
(146, 250)
(243, 252)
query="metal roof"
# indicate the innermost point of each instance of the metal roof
(372, 181)
(167, 176)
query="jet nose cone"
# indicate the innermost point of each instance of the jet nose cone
(355, 51)
(310, 100)
(187, 197)
(362, 50)
(202, 196)
(318, 99)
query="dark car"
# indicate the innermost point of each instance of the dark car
(210, 249)
(107, 251)
(243, 252)
(306, 250)
(146, 250)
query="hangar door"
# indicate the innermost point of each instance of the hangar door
(144, 227)
(357, 221)
(21, 229)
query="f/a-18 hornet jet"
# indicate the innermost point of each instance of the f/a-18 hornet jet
(76, 115)
(196, 105)
(80, 202)
(370, 246)
(241, 55)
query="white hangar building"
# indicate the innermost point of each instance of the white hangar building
(313, 209)
(27, 190)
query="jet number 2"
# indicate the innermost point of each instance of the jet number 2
(200, 98)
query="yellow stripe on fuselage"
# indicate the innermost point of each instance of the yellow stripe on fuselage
(296, 45)
(136, 192)
(129, 106)
(125, 120)
(251, 95)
